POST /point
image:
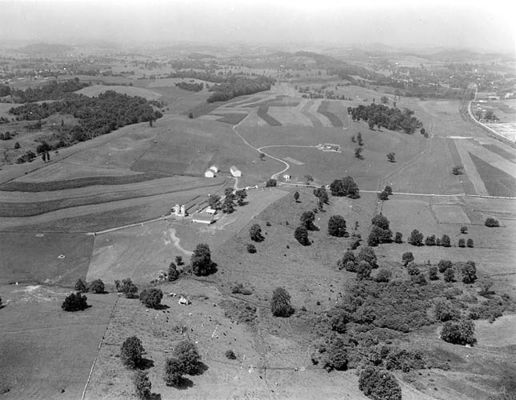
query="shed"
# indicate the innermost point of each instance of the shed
(235, 171)
(209, 173)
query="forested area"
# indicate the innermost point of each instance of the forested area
(51, 91)
(391, 118)
(97, 115)
(192, 87)
(239, 86)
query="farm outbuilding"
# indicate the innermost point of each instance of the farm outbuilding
(214, 168)
(235, 171)
(209, 173)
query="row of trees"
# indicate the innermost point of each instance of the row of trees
(391, 118)
(238, 86)
(190, 86)
(51, 91)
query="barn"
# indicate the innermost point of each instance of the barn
(235, 171)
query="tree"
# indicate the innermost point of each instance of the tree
(151, 297)
(296, 197)
(407, 258)
(131, 352)
(367, 254)
(337, 356)
(459, 332)
(462, 242)
(379, 384)
(469, 243)
(142, 385)
(322, 194)
(127, 287)
(307, 220)
(345, 187)
(383, 196)
(445, 241)
(388, 190)
(358, 153)
(80, 286)
(430, 240)
(271, 183)
(359, 139)
(251, 248)
(398, 237)
(337, 226)
(173, 273)
(228, 206)
(485, 285)
(391, 157)
(280, 303)
(469, 272)
(17, 145)
(432, 273)
(381, 221)
(173, 372)
(214, 201)
(444, 265)
(255, 232)
(464, 230)
(363, 270)
(188, 355)
(457, 170)
(416, 238)
(230, 355)
(384, 99)
(241, 196)
(75, 302)
(201, 262)
(348, 257)
(491, 222)
(449, 275)
(301, 235)
(96, 286)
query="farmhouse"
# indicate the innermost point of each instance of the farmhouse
(287, 177)
(203, 218)
(235, 171)
(209, 173)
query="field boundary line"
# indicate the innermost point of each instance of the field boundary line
(98, 349)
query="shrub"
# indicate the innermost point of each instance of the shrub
(131, 352)
(188, 355)
(348, 257)
(462, 242)
(142, 385)
(75, 302)
(383, 275)
(337, 226)
(391, 157)
(445, 241)
(388, 190)
(173, 273)
(419, 279)
(444, 265)
(17, 145)
(337, 356)
(379, 384)
(491, 223)
(179, 260)
(416, 238)
(280, 303)
(271, 183)
(255, 232)
(449, 275)
(383, 196)
(398, 237)
(339, 321)
(444, 311)
(412, 269)
(173, 372)
(407, 258)
(296, 196)
(251, 248)
(432, 273)
(96, 286)
(457, 170)
(459, 332)
(381, 221)
(301, 235)
(469, 272)
(464, 229)
(201, 262)
(80, 286)
(230, 354)
(151, 297)
(469, 243)
(485, 285)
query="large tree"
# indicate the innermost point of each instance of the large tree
(201, 262)
(131, 352)
(255, 232)
(307, 220)
(280, 303)
(337, 226)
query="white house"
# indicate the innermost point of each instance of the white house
(209, 173)
(287, 177)
(235, 171)
(214, 168)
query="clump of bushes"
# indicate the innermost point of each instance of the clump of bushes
(337, 226)
(131, 352)
(251, 248)
(445, 311)
(379, 384)
(459, 332)
(96, 286)
(142, 385)
(127, 287)
(491, 222)
(301, 235)
(201, 262)
(230, 355)
(255, 232)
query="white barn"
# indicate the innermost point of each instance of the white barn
(209, 173)
(235, 171)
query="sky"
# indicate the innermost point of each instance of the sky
(481, 25)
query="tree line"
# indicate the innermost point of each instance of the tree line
(239, 86)
(52, 91)
(382, 116)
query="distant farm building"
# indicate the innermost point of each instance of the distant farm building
(214, 168)
(235, 171)
(179, 210)
(203, 218)
(287, 177)
(209, 174)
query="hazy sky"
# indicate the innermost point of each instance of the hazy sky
(487, 24)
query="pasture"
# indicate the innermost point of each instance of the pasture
(95, 90)
(50, 351)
